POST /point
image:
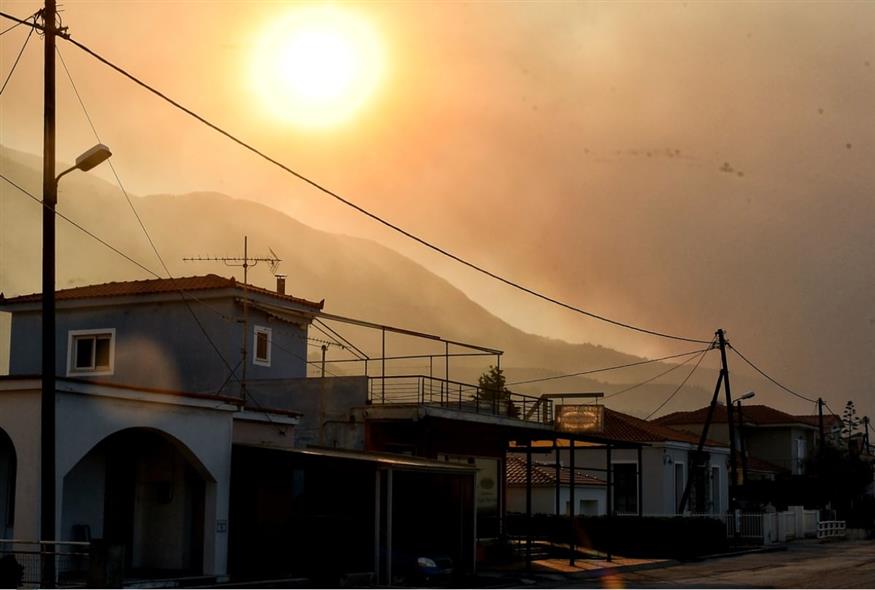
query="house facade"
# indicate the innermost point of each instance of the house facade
(590, 493)
(146, 413)
(777, 438)
(651, 479)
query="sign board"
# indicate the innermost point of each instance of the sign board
(580, 418)
(488, 480)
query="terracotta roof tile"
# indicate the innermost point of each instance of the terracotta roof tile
(829, 420)
(624, 427)
(761, 465)
(753, 414)
(545, 475)
(153, 287)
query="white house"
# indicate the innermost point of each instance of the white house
(656, 484)
(589, 491)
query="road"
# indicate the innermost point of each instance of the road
(849, 564)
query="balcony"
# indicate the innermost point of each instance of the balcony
(422, 390)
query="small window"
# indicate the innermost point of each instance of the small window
(261, 346)
(91, 352)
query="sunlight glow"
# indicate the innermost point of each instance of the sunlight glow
(317, 66)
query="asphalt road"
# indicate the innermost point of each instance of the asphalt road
(849, 564)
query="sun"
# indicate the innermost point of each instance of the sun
(317, 66)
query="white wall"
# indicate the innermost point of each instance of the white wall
(204, 431)
(84, 419)
(20, 419)
(544, 499)
(658, 464)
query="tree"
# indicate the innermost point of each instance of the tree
(850, 422)
(491, 389)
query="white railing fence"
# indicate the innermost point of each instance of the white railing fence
(831, 528)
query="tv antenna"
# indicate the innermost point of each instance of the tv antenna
(244, 262)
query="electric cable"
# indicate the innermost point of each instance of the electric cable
(605, 369)
(764, 374)
(679, 387)
(654, 378)
(366, 212)
(140, 221)
(15, 63)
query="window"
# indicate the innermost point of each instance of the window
(91, 352)
(261, 346)
(678, 484)
(715, 489)
(625, 488)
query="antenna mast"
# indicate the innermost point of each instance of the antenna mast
(245, 262)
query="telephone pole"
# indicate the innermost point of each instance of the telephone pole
(47, 401)
(820, 420)
(733, 478)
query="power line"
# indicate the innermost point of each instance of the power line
(231, 371)
(20, 53)
(368, 213)
(83, 229)
(605, 369)
(679, 387)
(18, 22)
(654, 378)
(764, 374)
(123, 255)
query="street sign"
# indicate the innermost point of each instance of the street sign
(581, 418)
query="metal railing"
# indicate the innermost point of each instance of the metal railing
(464, 397)
(831, 528)
(71, 560)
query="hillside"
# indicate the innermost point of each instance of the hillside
(356, 277)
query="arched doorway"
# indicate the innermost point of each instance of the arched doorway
(143, 489)
(8, 471)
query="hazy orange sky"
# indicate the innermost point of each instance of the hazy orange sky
(684, 166)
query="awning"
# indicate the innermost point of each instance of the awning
(385, 460)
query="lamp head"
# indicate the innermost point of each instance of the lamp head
(93, 157)
(747, 395)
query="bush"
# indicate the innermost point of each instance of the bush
(631, 536)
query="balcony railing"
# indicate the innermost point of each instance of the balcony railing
(464, 397)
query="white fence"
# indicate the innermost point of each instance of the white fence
(831, 528)
(778, 527)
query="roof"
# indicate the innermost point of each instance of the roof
(758, 415)
(545, 475)
(157, 286)
(829, 420)
(762, 466)
(620, 426)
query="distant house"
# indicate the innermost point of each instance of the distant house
(589, 491)
(778, 438)
(649, 478)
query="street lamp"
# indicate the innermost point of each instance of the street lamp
(88, 160)
(84, 162)
(738, 401)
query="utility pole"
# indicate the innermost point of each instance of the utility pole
(733, 478)
(866, 433)
(820, 421)
(741, 444)
(696, 459)
(47, 401)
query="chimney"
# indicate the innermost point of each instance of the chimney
(281, 284)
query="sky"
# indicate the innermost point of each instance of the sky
(677, 165)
